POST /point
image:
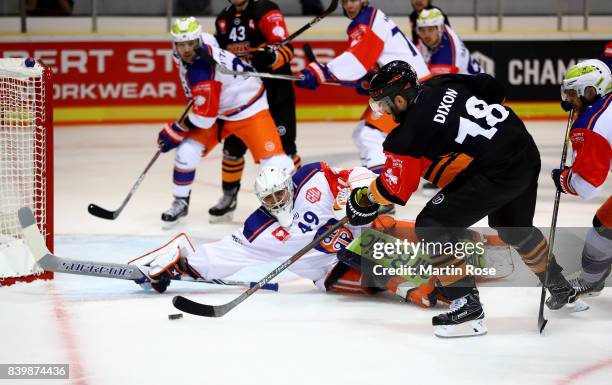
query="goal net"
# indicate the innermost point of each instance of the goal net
(26, 163)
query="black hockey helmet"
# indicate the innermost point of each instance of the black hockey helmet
(394, 78)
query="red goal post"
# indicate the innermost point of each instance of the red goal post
(26, 163)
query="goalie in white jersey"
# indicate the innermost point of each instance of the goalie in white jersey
(374, 40)
(222, 105)
(295, 210)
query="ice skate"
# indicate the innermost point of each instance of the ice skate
(178, 210)
(223, 211)
(465, 318)
(589, 289)
(563, 294)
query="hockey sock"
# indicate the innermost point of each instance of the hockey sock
(183, 180)
(297, 160)
(533, 249)
(231, 171)
(596, 259)
(453, 278)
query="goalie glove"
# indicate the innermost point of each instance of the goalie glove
(171, 136)
(166, 263)
(562, 178)
(360, 209)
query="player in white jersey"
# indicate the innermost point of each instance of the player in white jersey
(587, 88)
(374, 40)
(222, 105)
(295, 210)
(442, 49)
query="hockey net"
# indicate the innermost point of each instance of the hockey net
(26, 163)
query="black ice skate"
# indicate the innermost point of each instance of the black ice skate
(172, 216)
(562, 294)
(223, 211)
(465, 318)
(590, 289)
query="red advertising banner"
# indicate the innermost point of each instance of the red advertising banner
(123, 73)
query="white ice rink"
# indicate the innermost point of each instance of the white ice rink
(112, 332)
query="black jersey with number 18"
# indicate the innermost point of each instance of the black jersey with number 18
(451, 114)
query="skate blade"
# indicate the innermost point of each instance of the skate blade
(467, 329)
(169, 225)
(225, 218)
(576, 306)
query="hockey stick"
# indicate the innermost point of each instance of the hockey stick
(49, 262)
(553, 226)
(332, 7)
(188, 306)
(227, 71)
(100, 212)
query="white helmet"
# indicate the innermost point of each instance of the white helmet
(274, 189)
(431, 18)
(186, 29)
(589, 73)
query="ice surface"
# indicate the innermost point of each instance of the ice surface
(113, 332)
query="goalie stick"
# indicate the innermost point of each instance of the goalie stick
(188, 306)
(553, 226)
(49, 262)
(100, 212)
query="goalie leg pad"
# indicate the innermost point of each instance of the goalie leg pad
(344, 279)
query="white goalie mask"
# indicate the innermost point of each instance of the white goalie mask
(274, 189)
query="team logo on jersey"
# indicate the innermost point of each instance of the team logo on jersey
(437, 199)
(237, 21)
(222, 26)
(199, 100)
(392, 179)
(281, 234)
(313, 195)
(336, 241)
(281, 130)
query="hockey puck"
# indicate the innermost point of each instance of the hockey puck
(175, 316)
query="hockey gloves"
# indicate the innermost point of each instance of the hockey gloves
(360, 210)
(562, 178)
(270, 58)
(171, 136)
(314, 74)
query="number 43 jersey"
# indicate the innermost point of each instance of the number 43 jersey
(263, 240)
(451, 114)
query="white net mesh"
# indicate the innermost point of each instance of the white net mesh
(23, 160)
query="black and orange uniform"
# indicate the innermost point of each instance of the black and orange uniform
(460, 118)
(260, 24)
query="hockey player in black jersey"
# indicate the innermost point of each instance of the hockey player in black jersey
(242, 28)
(459, 114)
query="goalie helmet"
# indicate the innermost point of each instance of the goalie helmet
(589, 73)
(431, 18)
(394, 78)
(186, 29)
(274, 189)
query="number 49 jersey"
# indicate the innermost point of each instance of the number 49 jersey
(451, 114)
(263, 240)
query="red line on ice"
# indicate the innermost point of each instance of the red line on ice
(77, 374)
(584, 372)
